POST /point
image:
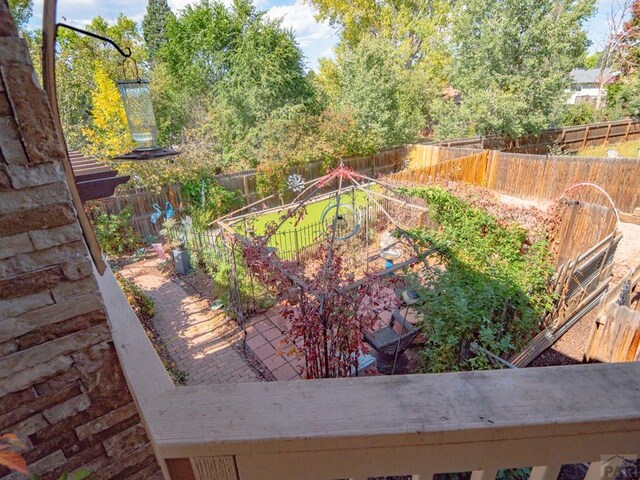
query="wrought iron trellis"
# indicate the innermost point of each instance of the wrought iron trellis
(381, 206)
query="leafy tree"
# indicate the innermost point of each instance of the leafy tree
(511, 61)
(628, 51)
(369, 80)
(21, 11)
(294, 136)
(108, 135)
(593, 60)
(579, 114)
(236, 65)
(415, 28)
(124, 31)
(154, 25)
(623, 97)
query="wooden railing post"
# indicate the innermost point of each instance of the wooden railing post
(215, 468)
(604, 469)
(487, 474)
(547, 472)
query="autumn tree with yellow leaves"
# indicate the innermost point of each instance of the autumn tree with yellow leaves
(108, 135)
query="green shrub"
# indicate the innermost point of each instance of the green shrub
(253, 294)
(579, 114)
(115, 232)
(493, 288)
(142, 304)
(209, 200)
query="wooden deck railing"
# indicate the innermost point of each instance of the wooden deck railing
(401, 425)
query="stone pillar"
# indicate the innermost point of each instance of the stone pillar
(62, 390)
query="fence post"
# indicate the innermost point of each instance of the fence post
(626, 133)
(245, 186)
(586, 137)
(297, 247)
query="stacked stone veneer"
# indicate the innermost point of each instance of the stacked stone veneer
(61, 386)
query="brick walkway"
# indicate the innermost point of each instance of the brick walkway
(200, 341)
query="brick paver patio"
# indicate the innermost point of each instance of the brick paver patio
(199, 340)
(265, 338)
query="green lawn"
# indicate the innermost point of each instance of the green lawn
(625, 149)
(314, 212)
(312, 216)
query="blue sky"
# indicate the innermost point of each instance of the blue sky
(316, 39)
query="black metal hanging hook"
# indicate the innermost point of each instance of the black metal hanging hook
(125, 54)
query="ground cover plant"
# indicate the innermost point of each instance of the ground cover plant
(493, 288)
(144, 308)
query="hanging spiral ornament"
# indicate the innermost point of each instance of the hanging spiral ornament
(344, 218)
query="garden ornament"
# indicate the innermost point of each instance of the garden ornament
(155, 216)
(295, 183)
(410, 296)
(169, 212)
(343, 211)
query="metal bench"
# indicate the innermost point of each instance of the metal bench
(390, 342)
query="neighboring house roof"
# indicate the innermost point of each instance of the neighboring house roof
(581, 76)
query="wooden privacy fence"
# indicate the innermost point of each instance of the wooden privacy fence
(141, 202)
(423, 156)
(477, 168)
(545, 178)
(615, 334)
(580, 227)
(141, 206)
(572, 139)
(535, 177)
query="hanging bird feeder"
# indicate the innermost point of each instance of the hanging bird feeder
(136, 97)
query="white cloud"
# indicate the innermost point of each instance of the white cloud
(177, 5)
(316, 39)
(300, 18)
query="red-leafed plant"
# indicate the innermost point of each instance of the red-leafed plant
(327, 310)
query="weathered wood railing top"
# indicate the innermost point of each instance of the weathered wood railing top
(377, 425)
(400, 410)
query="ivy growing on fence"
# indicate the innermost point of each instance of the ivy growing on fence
(493, 288)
